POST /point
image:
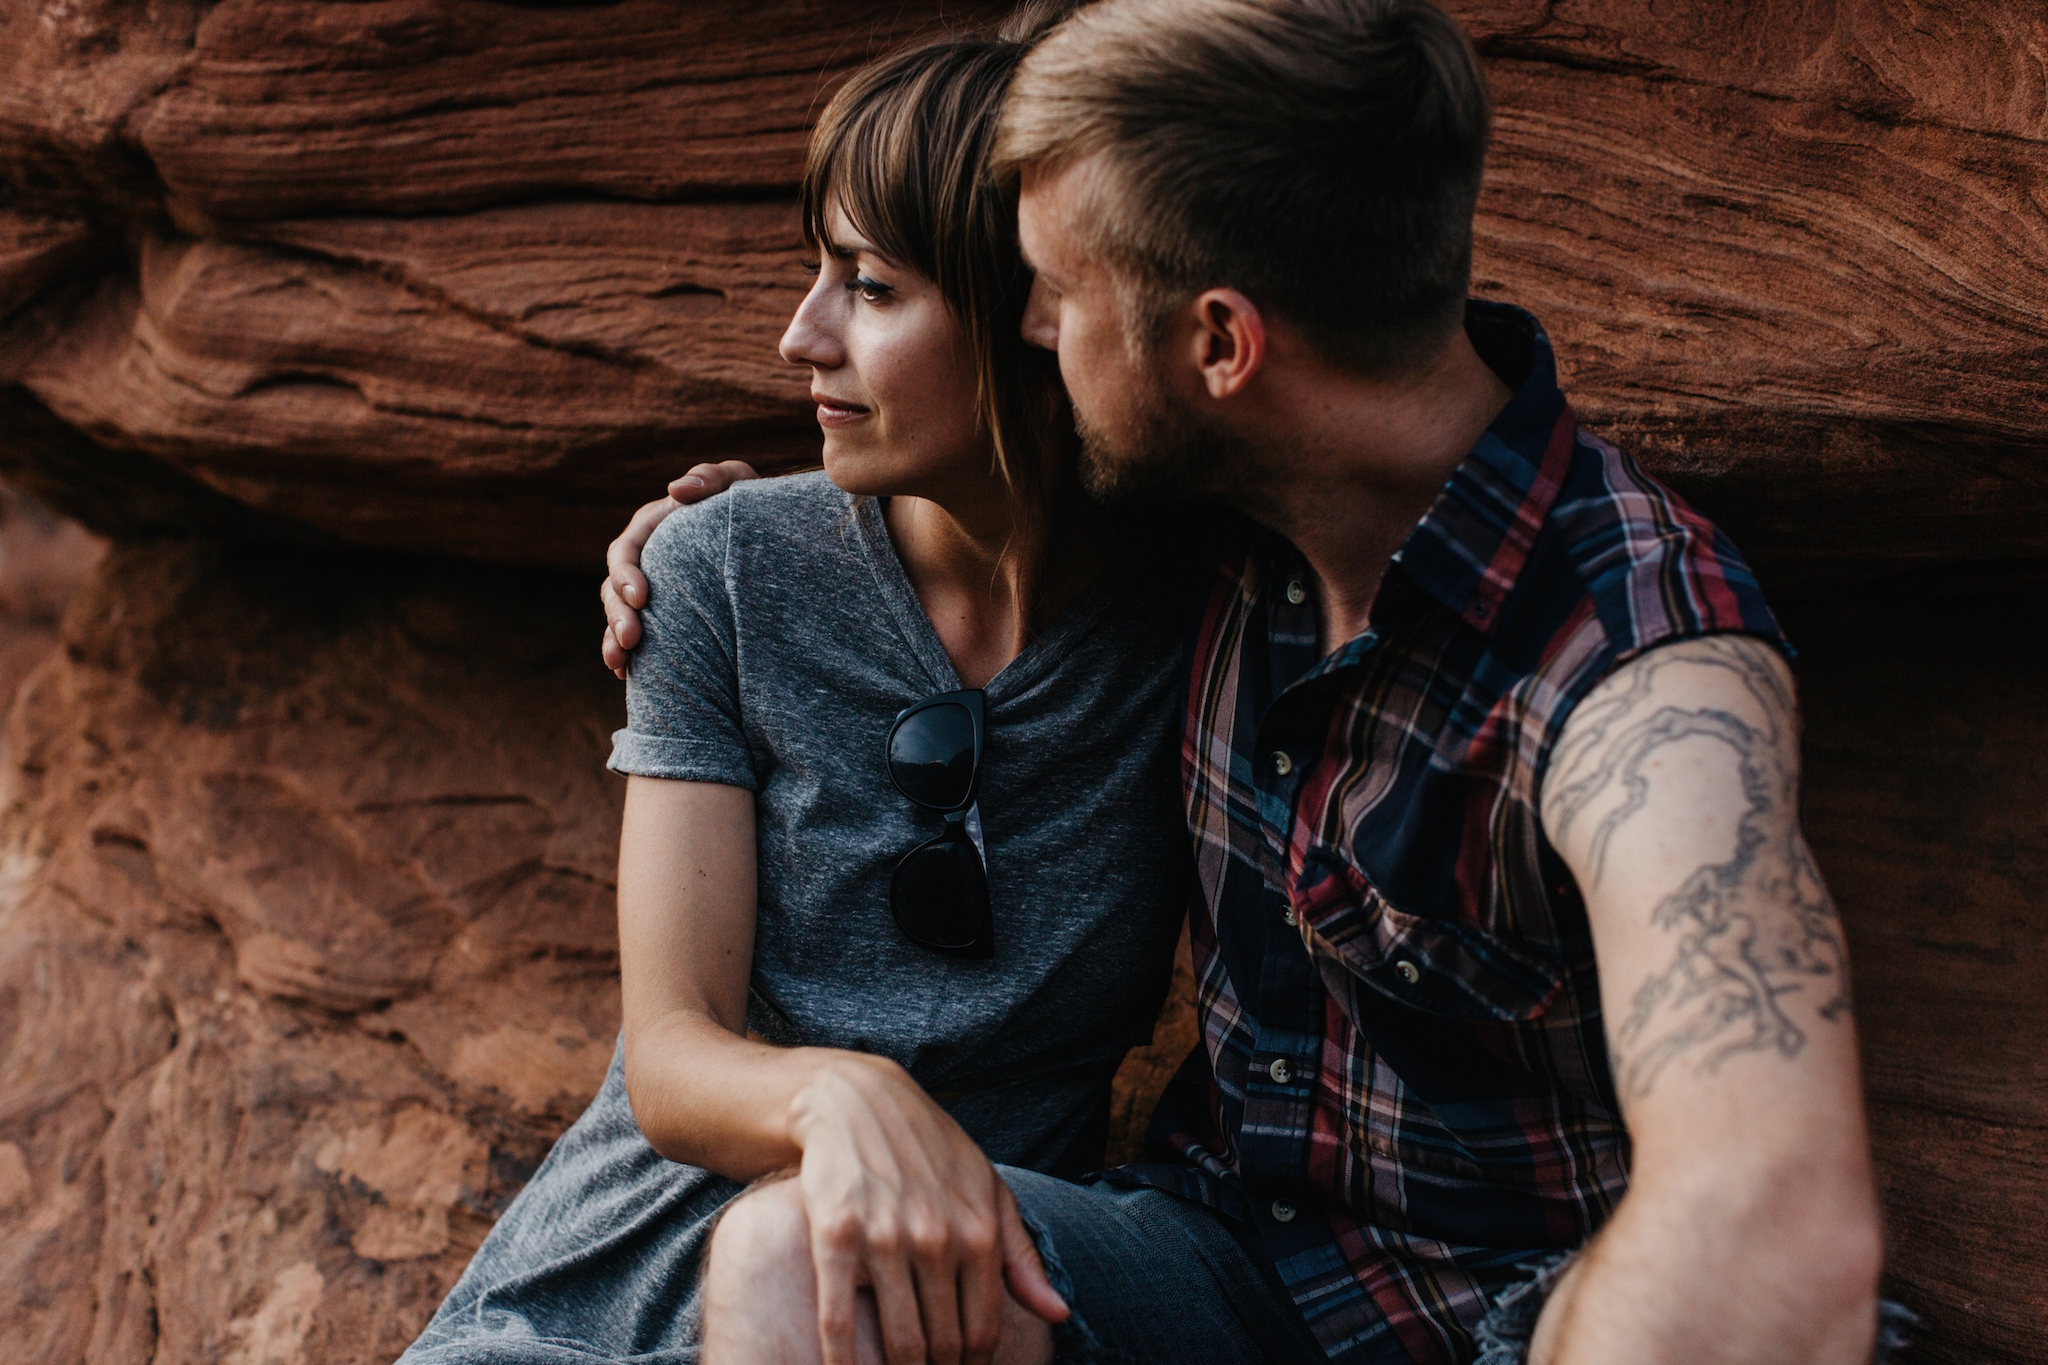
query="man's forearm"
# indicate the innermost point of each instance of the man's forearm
(1769, 1267)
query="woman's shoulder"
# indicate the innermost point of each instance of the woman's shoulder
(788, 506)
(763, 517)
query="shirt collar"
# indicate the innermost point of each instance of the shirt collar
(1469, 550)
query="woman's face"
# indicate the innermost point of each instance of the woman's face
(890, 372)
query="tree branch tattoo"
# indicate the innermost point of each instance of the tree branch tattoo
(1756, 932)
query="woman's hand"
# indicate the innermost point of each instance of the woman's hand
(625, 587)
(901, 1201)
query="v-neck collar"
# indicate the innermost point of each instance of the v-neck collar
(1039, 657)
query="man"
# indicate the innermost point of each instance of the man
(1525, 1011)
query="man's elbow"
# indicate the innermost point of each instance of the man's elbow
(1826, 1241)
(1791, 1241)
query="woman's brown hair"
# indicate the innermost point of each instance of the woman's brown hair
(903, 150)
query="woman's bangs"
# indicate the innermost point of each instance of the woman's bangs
(870, 165)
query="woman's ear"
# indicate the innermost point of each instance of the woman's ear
(1229, 341)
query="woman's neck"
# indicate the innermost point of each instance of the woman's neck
(990, 578)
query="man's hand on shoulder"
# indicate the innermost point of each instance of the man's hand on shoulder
(624, 591)
(1750, 1231)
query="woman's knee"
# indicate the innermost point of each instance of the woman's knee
(761, 1233)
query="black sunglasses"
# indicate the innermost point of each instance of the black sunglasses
(939, 895)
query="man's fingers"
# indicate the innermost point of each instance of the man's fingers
(704, 480)
(621, 620)
(614, 657)
(1022, 1270)
(622, 556)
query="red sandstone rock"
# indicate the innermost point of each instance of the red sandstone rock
(1790, 254)
(291, 107)
(307, 954)
(487, 385)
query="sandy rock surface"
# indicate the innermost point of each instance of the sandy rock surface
(307, 950)
(338, 272)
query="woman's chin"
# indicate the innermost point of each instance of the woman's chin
(860, 473)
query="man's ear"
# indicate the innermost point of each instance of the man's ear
(1229, 341)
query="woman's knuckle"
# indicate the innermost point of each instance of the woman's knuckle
(840, 1231)
(927, 1236)
(978, 1235)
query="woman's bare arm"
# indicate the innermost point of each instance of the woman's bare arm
(702, 1092)
(899, 1198)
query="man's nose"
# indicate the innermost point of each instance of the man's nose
(1041, 324)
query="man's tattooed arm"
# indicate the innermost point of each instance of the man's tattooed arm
(1686, 764)
(1673, 796)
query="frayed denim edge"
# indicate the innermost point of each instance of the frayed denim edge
(1073, 1341)
(1892, 1321)
(1503, 1335)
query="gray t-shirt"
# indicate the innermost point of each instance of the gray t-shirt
(782, 638)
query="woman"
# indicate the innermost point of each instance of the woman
(814, 977)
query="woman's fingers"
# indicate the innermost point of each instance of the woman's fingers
(938, 1297)
(896, 1304)
(981, 1301)
(834, 1256)
(1022, 1270)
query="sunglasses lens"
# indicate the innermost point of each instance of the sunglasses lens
(931, 756)
(940, 895)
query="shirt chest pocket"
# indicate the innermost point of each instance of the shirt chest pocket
(1439, 966)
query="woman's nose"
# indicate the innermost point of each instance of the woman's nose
(812, 335)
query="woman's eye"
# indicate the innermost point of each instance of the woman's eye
(872, 291)
(812, 267)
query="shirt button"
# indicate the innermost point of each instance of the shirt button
(1280, 1071)
(1282, 1213)
(1282, 764)
(1296, 593)
(1410, 973)
(1291, 916)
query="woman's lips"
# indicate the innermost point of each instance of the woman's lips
(832, 413)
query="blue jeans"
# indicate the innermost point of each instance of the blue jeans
(1151, 1277)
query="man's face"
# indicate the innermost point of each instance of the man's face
(1138, 434)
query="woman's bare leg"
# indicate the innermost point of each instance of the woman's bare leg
(761, 1292)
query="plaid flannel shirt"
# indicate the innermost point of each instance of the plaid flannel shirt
(1404, 1085)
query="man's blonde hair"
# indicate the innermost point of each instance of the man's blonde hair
(1322, 156)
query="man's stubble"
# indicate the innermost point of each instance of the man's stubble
(1159, 447)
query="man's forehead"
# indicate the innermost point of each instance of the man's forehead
(1052, 204)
